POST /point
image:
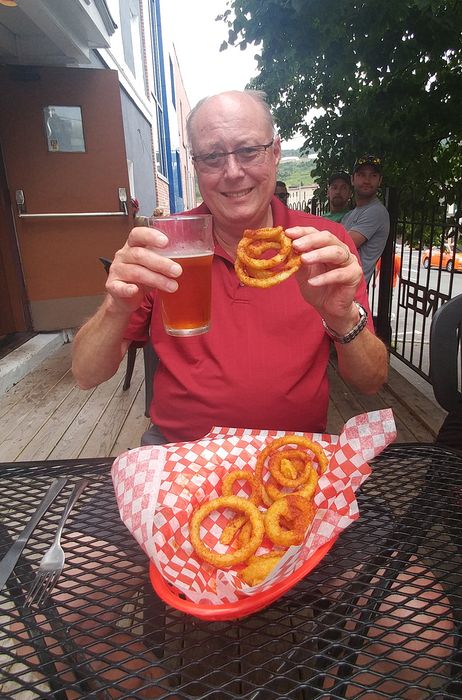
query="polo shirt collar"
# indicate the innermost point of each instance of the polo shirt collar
(281, 217)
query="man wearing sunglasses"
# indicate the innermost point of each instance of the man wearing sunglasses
(368, 223)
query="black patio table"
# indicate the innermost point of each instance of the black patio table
(104, 633)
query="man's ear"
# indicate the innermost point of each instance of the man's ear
(277, 149)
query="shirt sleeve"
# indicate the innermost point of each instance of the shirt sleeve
(371, 220)
(138, 328)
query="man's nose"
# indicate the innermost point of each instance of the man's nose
(232, 165)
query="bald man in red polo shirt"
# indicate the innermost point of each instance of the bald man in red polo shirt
(263, 364)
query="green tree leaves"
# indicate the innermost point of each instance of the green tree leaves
(388, 77)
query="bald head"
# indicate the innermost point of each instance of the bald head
(230, 99)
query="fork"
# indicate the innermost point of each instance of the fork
(52, 562)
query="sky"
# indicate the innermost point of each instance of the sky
(191, 26)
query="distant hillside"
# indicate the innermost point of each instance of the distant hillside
(295, 172)
(289, 152)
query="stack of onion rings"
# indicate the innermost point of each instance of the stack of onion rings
(307, 475)
(254, 270)
(286, 519)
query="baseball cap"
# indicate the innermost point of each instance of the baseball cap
(374, 161)
(340, 175)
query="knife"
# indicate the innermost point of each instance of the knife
(8, 562)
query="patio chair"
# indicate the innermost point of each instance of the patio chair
(446, 355)
(149, 356)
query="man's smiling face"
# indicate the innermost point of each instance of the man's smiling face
(238, 195)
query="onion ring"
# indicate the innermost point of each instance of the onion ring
(230, 531)
(225, 561)
(231, 477)
(295, 511)
(258, 568)
(256, 271)
(288, 469)
(245, 533)
(232, 528)
(294, 458)
(307, 490)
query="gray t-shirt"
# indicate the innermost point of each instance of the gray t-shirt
(373, 222)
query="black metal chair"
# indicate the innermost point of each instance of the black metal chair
(446, 355)
(446, 369)
(149, 356)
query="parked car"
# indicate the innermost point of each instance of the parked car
(443, 257)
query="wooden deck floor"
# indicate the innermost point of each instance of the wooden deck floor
(45, 416)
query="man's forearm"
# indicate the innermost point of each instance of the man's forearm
(99, 346)
(363, 363)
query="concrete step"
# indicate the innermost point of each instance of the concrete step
(28, 356)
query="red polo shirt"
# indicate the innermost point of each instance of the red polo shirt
(262, 364)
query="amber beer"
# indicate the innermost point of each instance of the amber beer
(187, 311)
(190, 243)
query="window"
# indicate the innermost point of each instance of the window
(64, 129)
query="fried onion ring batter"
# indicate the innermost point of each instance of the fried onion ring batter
(297, 458)
(237, 475)
(307, 490)
(259, 567)
(299, 440)
(296, 513)
(230, 531)
(242, 505)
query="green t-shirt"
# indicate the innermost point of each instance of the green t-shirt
(336, 216)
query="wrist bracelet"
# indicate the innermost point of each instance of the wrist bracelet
(356, 330)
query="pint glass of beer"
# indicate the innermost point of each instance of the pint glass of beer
(190, 243)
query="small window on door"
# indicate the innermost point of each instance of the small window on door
(64, 129)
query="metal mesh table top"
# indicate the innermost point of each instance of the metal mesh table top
(105, 634)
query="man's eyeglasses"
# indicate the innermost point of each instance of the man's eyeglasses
(245, 156)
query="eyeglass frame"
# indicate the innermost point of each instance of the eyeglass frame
(261, 148)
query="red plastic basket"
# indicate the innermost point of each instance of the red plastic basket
(241, 608)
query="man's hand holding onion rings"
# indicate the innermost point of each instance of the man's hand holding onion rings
(329, 276)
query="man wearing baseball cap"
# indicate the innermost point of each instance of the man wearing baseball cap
(338, 195)
(368, 223)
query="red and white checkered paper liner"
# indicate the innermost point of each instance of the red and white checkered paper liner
(158, 487)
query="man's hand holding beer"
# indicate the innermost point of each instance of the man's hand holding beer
(138, 268)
